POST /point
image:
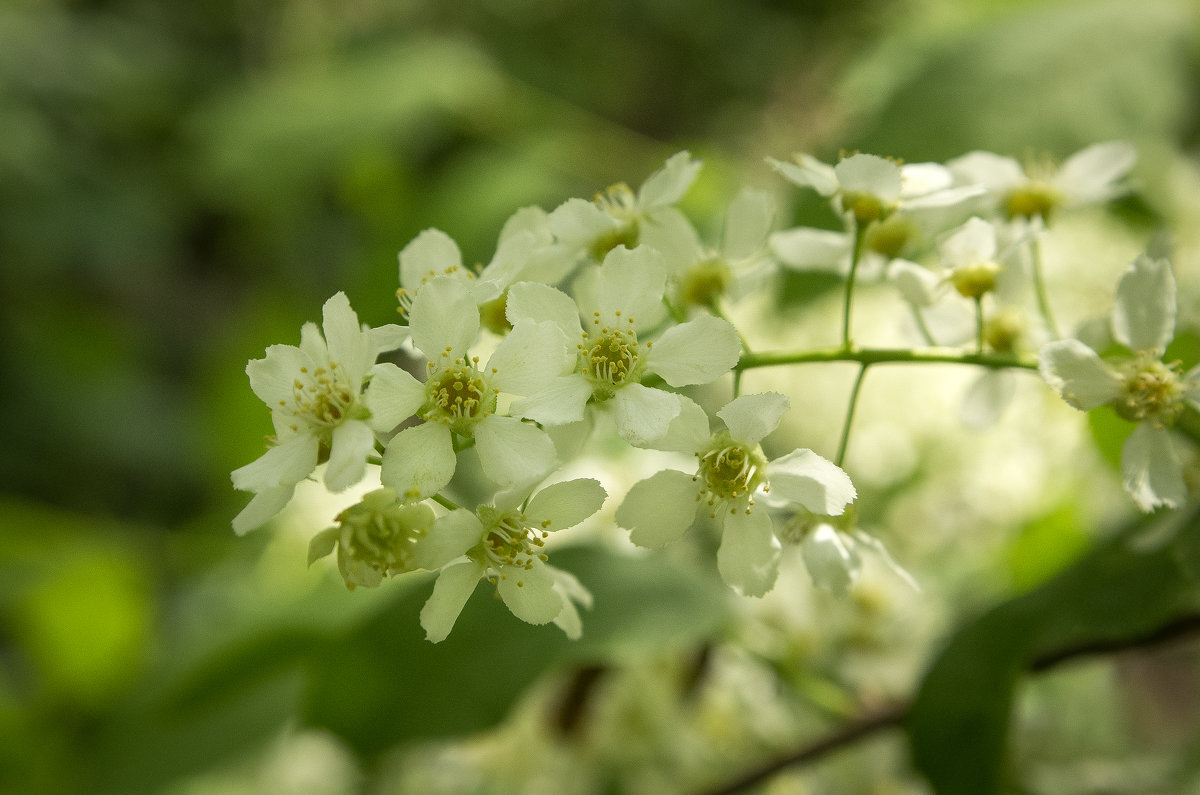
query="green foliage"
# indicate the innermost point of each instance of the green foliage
(1126, 589)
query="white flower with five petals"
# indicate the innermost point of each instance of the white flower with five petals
(314, 392)
(732, 470)
(619, 302)
(1141, 388)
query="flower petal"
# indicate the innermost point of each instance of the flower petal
(1074, 371)
(531, 357)
(1144, 317)
(1152, 472)
(429, 254)
(561, 402)
(806, 478)
(565, 504)
(529, 593)
(348, 345)
(696, 352)
(808, 172)
(451, 536)
(1093, 174)
(669, 183)
(419, 461)
(512, 452)
(804, 248)
(871, 174)
(444, 319)
(987, 398)
(262, 508)
(285, 464)
(352, 442)
(660, 508)
(392, 396)
(533, 301)
(970, 244)
(629, 282)
(644, 414)
(453, 588)
(688, 432)
(273, 378)
(748, 558)
(832, 562)
(750, 418)
(918, 285)
(747, 223)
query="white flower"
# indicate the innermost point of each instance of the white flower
(503, 543)
(732, 469)
(459, 397)
(617, 216)
(619, 302)
(374, 538)
(1089, 176)
(969, 262)
(1141, 388)
(870, 188)
(314, 392)
(699, 274)
(832, 548)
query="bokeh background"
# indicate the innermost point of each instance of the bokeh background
(182, 184)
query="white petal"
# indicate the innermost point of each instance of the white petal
(747, 223)
(419, 461)
(348, 345)
(512, 452)
(529, 593)
(832, 563)
(869, 174)
(429, 254)
(660, 508)
(577, 222)
(687, 433)
(748, 558)
(630, 282)
(671, 233)
(921, 179)
(313, 344)
(262, 508)
(987, 398)
(353, 441)
(1152, 473)
(806, 478)
(920, 286)
(1144, 317)
(273, 378)
(1092, 174)
(388, 337)
(506, 267)
(1191, 383)
(453, 588)
(392, 396)
(994, 172)
(451, 536)
(1074, 371)
(644, 414)
(805, 248)
(565, 504)
(533, 301)
(284, 464)
(970, 244)
(669, 183)
(750, 418)
(531, 357)
(444, 319)
(561, 402)
(696, 352)
(808, 172)
(571, 591)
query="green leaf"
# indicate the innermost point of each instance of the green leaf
(1120, 592)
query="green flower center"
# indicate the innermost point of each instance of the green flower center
(610, 357)
(891, 236)
(1034, 199)
(510, 541)
(704, 283)
(322, 397)
(459, 396)
(976, 280)
(620, 203)
(379, 535)
(730, 471)
(1153, 391)
(866, 207)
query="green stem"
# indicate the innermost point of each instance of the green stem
(1039, 287)
(885, 356)
(845, 440)
(449, 505)
(860, 236)
(979, 325)
(719, 312)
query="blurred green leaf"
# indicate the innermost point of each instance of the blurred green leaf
(1120, 592)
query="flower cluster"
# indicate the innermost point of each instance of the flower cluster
(604, 312)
